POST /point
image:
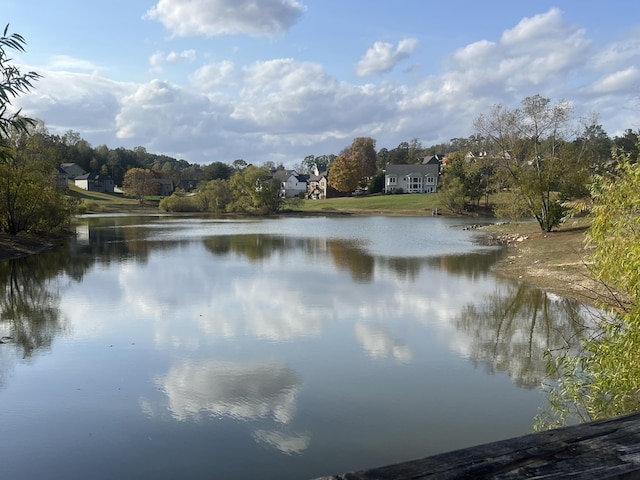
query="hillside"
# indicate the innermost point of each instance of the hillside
(94, 202)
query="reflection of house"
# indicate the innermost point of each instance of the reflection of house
(95, 182)
(293, 183)
(421, 178)
(72, 170)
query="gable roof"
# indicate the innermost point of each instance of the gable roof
(72, 169)
(432, 160)
(316, 178)
(93, 176)
(411, 170)
(284, 175)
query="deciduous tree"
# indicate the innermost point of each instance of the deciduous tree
(344, 174)
(139, 183)
(363, 152)
(215, 195)
(29, 199)
(528, 144)
(255, 191)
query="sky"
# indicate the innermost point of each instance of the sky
(278, 80)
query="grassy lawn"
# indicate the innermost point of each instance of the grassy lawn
(94, 202)
(401, 204)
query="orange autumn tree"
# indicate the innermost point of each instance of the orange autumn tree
(344, 174)
(354, 166)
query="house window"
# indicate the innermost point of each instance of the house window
(392, 180)
(430, 180)
(415, 184)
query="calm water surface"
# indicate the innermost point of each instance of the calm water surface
(184, 347)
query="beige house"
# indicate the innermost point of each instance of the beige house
(317, 187)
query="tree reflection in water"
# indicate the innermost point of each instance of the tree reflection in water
(29, 308)
(511, 330)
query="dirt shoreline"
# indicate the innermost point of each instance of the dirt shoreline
(556, 262)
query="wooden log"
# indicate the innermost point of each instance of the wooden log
(604, 449)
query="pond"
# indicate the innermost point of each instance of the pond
(191, 347)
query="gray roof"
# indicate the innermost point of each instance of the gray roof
(412, 170)
(93, 176)
(432, 160)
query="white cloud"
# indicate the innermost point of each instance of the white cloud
(379, 343)
(240, 391)
(169, 118)
(530, 31)
(226, 17)
(78, 101)
(214, 75)
(290, 97)
(382, 57)
(541, 54)
(67, 63)
(284, 109)
(158, 60)
(621, 81)
(626, 52)
(285, 442)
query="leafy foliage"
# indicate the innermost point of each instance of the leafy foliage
(615, 231)
(532, 157)
(255, 191)
(179, 202)
(12, 84)
(473, 179)
(363, 152)
(215, 196)
(344, 174)
(376, 184)
(602, 380)
(29, 199)
(453, 195)
(139, 183)
(355, 166)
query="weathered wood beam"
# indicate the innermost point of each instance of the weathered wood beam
(604, 449)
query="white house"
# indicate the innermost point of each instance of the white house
(292, 182)
(421, 178)
(95, 182)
